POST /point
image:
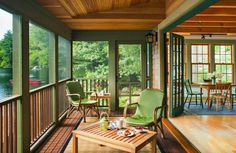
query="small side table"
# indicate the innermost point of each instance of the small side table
(104, 96)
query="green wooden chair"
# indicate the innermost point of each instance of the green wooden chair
(190, 93)
(77, 99)
(148, 111)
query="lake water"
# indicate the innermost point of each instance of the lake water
(5, 86)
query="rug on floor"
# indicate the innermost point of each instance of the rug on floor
(88, 147)
(198, 110)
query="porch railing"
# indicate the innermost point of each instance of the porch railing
(62, 101)
(90, 85)
(8, 125)
(41, 111)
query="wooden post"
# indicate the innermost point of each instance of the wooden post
(112, 75)
(56, 100)
(25, 107)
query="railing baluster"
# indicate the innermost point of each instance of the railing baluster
(14, 126)
(5, 133)
(1, 128)
(8, 125)
(10, 128)
(40, 111)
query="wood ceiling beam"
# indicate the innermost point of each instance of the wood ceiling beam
(218, 12)
(212, 19)
(121, 16)
(113, 25)
(208, 24)
(210, 30)
(171, 5)
(224, 4)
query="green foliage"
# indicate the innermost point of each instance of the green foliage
(6, 50)
(130, 62)
(90, 59)
(38, 47)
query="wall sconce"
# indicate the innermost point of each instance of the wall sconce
(149, 37)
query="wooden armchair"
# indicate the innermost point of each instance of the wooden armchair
(77, 99)
(148, 111)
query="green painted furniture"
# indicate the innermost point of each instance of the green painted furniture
(77, 99)
(191, 93)
(148, 110)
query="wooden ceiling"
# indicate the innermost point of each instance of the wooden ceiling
(220, 18)
(107, 14)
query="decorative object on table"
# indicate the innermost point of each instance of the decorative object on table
(126, 133)
(206, 80)
(213, 76)
(219, 77)
(119, 124)
(104, 121)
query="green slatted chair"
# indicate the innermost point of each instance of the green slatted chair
(77, 99)
(191, 93)
(149, 110)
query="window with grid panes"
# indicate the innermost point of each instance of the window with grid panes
(223, 61)
(199, 62)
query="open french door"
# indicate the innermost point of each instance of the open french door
(176, 74)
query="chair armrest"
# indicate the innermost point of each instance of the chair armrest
(126, 108)
(155, 113)
(73, 95)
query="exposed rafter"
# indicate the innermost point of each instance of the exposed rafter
(220, 18)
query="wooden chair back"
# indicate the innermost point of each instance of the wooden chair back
(223, 88)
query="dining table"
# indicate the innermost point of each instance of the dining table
(212, 86)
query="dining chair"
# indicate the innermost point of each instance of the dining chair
(220, 95)
(233, 95)
(191, 93)
(77, 99)
(148, 110)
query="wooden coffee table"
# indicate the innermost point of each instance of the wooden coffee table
(110, 138)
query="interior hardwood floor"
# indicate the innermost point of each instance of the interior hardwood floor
(211, 134)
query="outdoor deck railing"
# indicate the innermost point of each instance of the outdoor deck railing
(41, 111)
(95, 85)
(90, 85)
(63, 103)
(8, 125)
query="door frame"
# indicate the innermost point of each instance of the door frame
(143, 65)
(177, 105)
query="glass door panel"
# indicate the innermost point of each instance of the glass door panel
(129, 73)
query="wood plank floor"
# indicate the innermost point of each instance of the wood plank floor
(89, 147)
(211, 134)
(56, 142)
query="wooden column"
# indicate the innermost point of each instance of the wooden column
(55, 103)
(112, 74)
(25, 109)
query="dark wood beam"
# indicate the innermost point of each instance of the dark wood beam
(211, 30)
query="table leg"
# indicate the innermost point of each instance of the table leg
(154, 143)
(208, 98)
(109, 105)
(75, 144)
(230, 100)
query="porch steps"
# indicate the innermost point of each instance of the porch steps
(185, 143)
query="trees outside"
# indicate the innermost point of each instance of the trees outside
(39, 53)
(130, 62)
(90, 59)
(6, 50)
